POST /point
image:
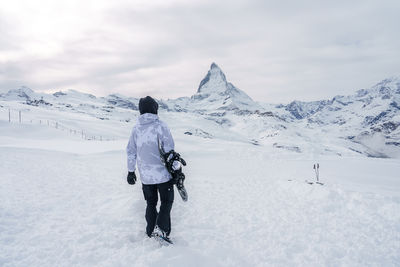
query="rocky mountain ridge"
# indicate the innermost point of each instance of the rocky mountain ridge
(367, 122)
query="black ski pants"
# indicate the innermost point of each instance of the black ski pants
(162, 218)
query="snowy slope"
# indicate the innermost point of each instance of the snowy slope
(64, 201)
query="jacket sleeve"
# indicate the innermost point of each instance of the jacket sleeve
(131, 150)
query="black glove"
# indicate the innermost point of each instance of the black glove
(131, 178)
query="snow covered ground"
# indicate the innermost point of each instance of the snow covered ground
(64, 201)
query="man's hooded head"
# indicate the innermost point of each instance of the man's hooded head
(148, 105)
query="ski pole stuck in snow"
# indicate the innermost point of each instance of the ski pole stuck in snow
(316, 169)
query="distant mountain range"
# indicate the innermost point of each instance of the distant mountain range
(364, 123)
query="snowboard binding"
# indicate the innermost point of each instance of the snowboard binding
(178, 177)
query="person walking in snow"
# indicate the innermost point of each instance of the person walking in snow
(143, 150)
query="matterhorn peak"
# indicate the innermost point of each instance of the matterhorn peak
(215, 80)
(214, 65)
(215, 89)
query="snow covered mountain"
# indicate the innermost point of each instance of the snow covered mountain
(215, 92)
(215, 96)
(20, 94)
(364, 123)
(368, 118)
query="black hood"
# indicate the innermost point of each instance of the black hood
(148, 105)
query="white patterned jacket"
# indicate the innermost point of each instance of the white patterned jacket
(143, 149)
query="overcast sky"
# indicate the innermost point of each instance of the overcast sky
(275, 51)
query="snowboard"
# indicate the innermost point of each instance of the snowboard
(168, 158)
(163, 241)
